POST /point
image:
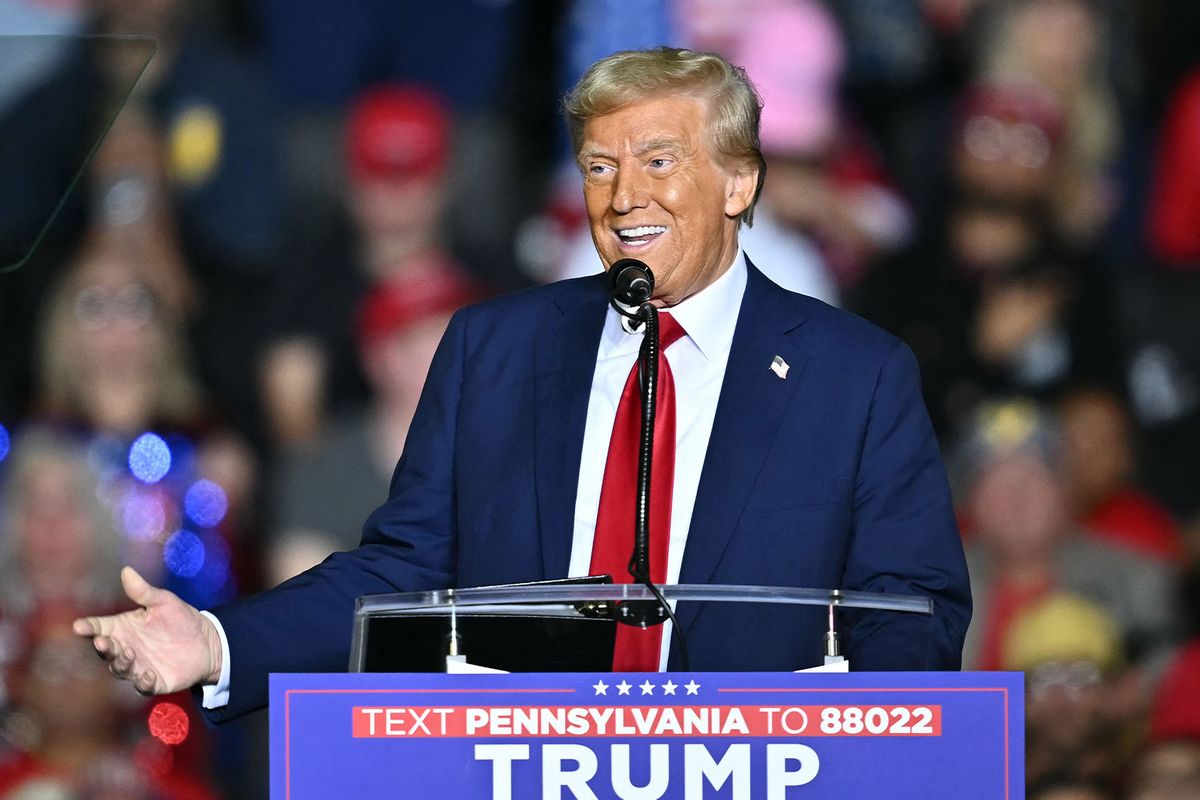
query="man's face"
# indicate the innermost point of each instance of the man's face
(655, 191)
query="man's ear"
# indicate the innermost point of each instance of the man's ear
(739, 190)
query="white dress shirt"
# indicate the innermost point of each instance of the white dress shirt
(698, 365)
(697, 361)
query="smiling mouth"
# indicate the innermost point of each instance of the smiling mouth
(640, 236)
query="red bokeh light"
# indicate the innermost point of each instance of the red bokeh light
(168, 723)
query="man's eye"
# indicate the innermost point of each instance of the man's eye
(659, 163)
(598, 169)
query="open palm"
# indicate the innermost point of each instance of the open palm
(163, 646)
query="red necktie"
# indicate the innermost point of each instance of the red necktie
(637, 650)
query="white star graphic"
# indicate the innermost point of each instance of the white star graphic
(601, 687)
(647, 687)
(692, 687)
(623, 687)
(669, 687)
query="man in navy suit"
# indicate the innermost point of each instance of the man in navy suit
(804, 455)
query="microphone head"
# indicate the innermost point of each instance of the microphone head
(630, 282)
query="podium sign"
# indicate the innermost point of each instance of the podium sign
(669, 735)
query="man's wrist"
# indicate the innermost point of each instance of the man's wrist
(215, 691)
(213, 640)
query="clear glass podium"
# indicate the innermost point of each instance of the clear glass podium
(552, 627)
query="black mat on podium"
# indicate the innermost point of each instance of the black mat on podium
(513, 638)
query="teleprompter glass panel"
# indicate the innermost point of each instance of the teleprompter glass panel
(58, 99)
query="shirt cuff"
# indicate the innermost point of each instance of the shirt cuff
(218, 696)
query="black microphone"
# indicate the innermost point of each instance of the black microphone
(630, 283)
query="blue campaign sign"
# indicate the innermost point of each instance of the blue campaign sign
(864, 735)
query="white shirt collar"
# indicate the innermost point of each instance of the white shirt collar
(709, 317)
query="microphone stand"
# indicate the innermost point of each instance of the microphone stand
(647, 613)
(639, 560)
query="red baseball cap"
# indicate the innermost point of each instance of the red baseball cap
(397, 131)
(395, 305)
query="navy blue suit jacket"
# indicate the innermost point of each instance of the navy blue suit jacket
(830, 478)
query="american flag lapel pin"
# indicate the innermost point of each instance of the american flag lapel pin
(780, 367)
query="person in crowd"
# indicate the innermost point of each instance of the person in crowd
(111, 352)
(827, 178)
(64, 532)
(489, 62)
(1023, 543)
(1082, 703)
(323, 493)
(398, 140)
(133, 209)
(74, 734)
(216, 151)
(1098, 467)
(114, 370)
(58, 543)
(216, 116)
(1059, 45)
(987, 298)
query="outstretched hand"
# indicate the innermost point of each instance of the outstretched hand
(164, 646)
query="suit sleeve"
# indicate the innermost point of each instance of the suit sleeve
(904, 537)
(408, 544)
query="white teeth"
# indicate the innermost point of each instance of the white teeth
(645, 230)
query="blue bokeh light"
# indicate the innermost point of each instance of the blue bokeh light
(205, 503)
(4, 442)
(184, 554)
(149, 458)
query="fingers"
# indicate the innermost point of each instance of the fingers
(120, 659)
(109, 650)
(122, 662)
(145, 683)
(90, 626)
(104, 647)
(137, 589)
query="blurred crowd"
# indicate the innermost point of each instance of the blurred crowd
(211, 349)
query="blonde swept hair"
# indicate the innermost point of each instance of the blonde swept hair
(629, 76)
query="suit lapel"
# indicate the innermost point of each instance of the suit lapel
(751, 406)
(565, 360)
